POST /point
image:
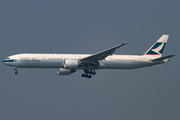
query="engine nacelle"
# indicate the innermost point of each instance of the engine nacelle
(71, 64)
(62, 71)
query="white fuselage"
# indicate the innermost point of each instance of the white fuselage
(69, 63)
(57, 61)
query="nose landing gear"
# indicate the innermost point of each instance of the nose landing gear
(16, 72)
(88, 73)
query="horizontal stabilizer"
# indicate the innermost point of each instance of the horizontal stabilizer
(163, 58)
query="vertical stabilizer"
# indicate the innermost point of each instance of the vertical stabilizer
(157, 48)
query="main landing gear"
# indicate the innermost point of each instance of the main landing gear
(88, 73)
(16, 72)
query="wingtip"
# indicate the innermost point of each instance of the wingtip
(124, 43)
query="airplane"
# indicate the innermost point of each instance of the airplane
(70, 63)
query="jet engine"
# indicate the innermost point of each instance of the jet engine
(62, 71)
(71, 64)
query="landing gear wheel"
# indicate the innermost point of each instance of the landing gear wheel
(83, 75)
(86, 76)
(89, 76)
(88, 73)
(16, 72)
(94, 73)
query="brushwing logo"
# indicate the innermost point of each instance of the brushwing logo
(157, 49)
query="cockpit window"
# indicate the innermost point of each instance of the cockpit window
(8, 58)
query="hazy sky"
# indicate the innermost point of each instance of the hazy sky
(81, 26)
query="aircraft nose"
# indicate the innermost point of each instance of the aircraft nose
(8, 61)
(3, 61)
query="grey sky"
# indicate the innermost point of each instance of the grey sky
(69, 26)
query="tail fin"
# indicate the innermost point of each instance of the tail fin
(158, 47)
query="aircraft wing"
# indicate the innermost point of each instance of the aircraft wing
(101, 55)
